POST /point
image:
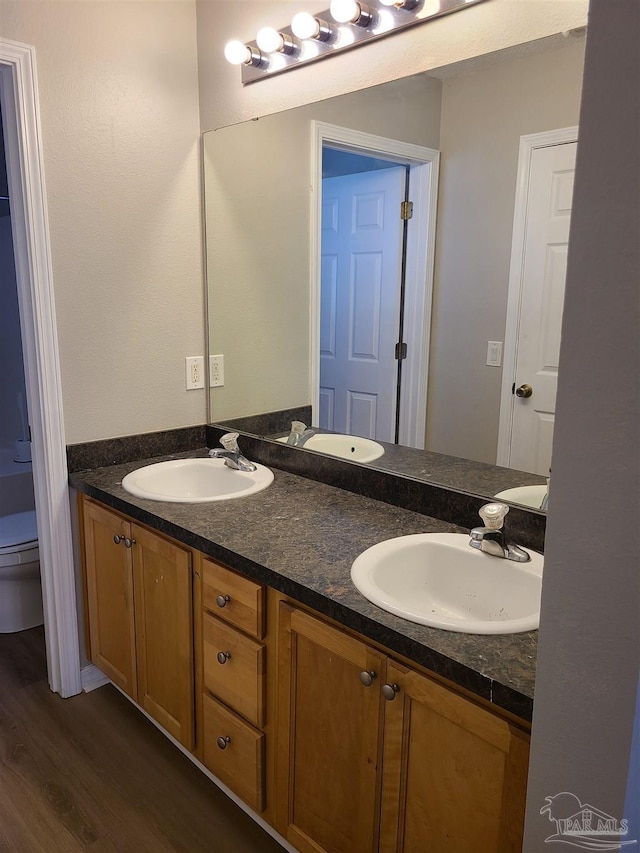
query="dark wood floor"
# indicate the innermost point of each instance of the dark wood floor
(91, 773)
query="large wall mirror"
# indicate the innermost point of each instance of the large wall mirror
(266, 271)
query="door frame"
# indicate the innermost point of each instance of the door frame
(528, 144)
(30, 230)
(423, 186)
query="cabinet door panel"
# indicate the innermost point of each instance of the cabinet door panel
(164, 632)
(109, 579)
(454, 773)
(329, 740)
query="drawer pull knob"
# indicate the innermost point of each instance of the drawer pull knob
(222, 600)
(223, 741)
(223, 657)
(367, 677)
(117, 538)
(129, 542)
(389, 691)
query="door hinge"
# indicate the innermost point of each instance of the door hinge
(406, 209)
(401, 351)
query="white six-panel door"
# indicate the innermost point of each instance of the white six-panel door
(360, 302)
(544, 266)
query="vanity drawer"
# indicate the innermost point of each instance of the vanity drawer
(237, 676)
(233, 598)
(238, 761)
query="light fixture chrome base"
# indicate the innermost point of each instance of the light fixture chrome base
(385, 21)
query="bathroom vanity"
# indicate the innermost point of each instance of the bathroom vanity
(235, 626)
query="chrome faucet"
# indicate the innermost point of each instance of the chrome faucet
(299, 434)
(492, 538)
(231, 454)
(545, 500)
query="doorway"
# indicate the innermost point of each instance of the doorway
(30, 233)
(371, 282)
(542, 219)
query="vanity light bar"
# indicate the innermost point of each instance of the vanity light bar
(346, 24)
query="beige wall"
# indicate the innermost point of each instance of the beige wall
(483, 116)
(258, 227)
(119, 111)
(481, 29)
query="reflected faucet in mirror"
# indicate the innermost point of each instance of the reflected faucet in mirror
(299, 434)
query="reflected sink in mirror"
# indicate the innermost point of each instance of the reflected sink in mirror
(531, 496)
(195, 481)
(438, 579)
(352, 447)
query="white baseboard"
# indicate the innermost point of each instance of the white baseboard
(91, 678)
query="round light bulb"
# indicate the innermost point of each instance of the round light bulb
(305, 26)
(236, 52)
(345, 11)
(269, 40)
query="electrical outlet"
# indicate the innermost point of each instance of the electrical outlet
(194, 372)
(216, 371)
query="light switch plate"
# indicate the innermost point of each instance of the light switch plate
(494, 353)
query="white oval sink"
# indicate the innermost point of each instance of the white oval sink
(352, 447)
(438, 579)
(195, 481)
(531, 496)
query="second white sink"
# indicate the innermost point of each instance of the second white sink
(195, 481)
(437, 579)
(531, 496)
(352, 447)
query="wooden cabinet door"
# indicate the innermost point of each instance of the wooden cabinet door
(454, 773)
(109, 586)
(329, 737)
(164, 631)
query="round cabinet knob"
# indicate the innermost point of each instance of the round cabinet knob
(524, 391)
(223, 657)
(117, 538)
(129, 542)
(223, 741)
(222, 600)
(389, 691)
(367, 677)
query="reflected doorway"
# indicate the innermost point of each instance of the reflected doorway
(372, 284)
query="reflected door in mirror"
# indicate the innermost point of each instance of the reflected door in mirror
(360, 302)
(544, 267)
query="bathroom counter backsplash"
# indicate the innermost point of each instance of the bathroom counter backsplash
(300, 537)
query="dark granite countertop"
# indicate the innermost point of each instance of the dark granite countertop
(300, 537)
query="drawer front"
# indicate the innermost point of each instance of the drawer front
(234, 669)
(233, 598)
(234, 752)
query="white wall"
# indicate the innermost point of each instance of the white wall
(119, 110)
(484, 114)
(476, 30)
(589, 650)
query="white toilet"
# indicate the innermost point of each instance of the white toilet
(20, 590)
